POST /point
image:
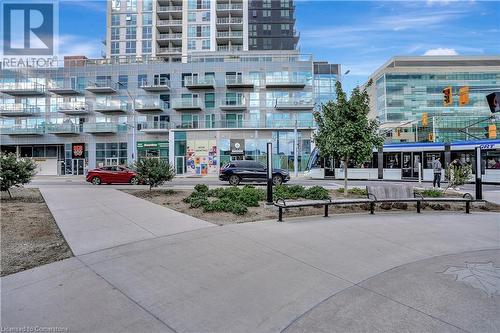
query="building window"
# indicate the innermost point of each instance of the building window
(266, 29)
(192, 31)
(115, 33)
(253, 42)
(115, 47)
(205, 31)
(192, 17)
(131, 5)
(191, 45)
(266, 4)
(115, 19)
(266, 13)
(205, 44)
(123, 80)
(146, 46)
(147, 32)
(285, 29)
(147, 5)
(209, 100)
(252, 30)
(267, 43)
(285, 13)
(131, 33)
(142, 79)
(115, 5)
(205, 17)
(132, 19)
(147, 19)
(285, 4)
(130, 47)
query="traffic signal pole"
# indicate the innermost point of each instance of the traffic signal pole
(479, 174)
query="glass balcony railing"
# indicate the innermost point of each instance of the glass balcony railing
(64, 87)
(238, 103)
(239, 81)
(111, 106)
(22, 88)
(230, 34)
(227, 6)
(18, 109)
(227, 48)
(294, 103)
(169, 50)
(286, 81)
(162, 84)
(199, 81)
(169, 8)
(168, 22)
(243, 123)
(187, 103)
(73, 108)
(102, 86)
(23, 130)
(63, 128)
(229, 20)
(155, 104)
(97, 128)
(172, 36)
(154, 126)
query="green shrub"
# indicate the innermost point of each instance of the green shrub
(288, 192)
(15, 172)
(239, 209)
(431, 193)
(216, 192)
(354, 191)
(201, 188)
(316, 193)
(154, 171)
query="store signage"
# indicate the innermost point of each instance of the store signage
(237, 146)
(78, 150)
(152, 144)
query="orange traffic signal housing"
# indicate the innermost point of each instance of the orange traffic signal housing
(463, 96)
(425, 119)
(448, 97)
(492, 132)
(430, 137)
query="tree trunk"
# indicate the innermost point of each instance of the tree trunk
(345, 175)
(10, 195)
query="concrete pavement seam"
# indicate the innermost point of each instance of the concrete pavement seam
(128, 297)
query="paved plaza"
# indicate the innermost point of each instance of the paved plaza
(433, 272)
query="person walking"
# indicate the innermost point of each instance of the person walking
(437, 167)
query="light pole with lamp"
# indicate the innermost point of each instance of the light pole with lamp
(134, 125)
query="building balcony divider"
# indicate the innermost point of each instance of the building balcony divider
(239, 81)
(63, 128)
(294, 104)
(187, 104)
(102, 128)
(199, 82)
(38, 129)
(22, 88)
(286, 82)
(155, 85)
(74, 108)
(102, 87)
(150, 105)
(18, 110)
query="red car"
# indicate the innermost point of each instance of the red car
(112, 174)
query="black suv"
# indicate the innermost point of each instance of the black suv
(236, 171)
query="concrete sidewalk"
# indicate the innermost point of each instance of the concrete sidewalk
(344, 273)
(93, 219)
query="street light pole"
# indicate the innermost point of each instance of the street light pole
(134, 125)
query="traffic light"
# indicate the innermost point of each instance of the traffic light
(494, 101)
(398, 132)
(430, 137)
(491, 131)
(448, 97)
(425, 119)
(463, 96)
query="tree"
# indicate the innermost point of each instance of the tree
(344, 130)
(458, 175)
(15, 172)
(154, 171)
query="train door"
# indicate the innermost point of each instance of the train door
(410, 164)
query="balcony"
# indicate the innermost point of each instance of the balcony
(233, 8)
(150, 105)
(18, 110)
(169, 24)
(243, 123)
(238, 81)
(166, 11)
(114, 106)
(64, 89)
(185, 104)
(102, 87)
(169, 50)
(236, 104)
(199, 82)
(230, 36)
(226, 21)
(154, 127)
(100, 128)
(74, 108)
(165, 38)
(63, 129)
(156, 85)
(286, 82)
(22, 88)
(294, 104)
(227, 48)
(29, 130)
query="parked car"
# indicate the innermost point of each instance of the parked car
(112, 174)
(237, 171)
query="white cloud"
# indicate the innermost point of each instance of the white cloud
(70, 45)
(440, 51)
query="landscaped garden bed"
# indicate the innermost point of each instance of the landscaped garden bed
(30, 237)
(226, 205)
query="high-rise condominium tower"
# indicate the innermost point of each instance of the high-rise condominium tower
(173, 28)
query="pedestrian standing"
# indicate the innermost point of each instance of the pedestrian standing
(437, 167)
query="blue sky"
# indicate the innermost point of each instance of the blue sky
(360, 35)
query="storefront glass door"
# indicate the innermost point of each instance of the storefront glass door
(110, 161)
(78, 166)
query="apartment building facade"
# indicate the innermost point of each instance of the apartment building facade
(172, 29)
(197, 114)
(407, 97)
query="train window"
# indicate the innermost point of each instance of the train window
(493, 159)
(430, 157)
(392, 160)
(465, 157)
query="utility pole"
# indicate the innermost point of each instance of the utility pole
(134, 125)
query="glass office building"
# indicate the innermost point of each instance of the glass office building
(406, 89)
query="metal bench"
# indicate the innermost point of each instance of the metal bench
(402, 193)
(283, 204)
